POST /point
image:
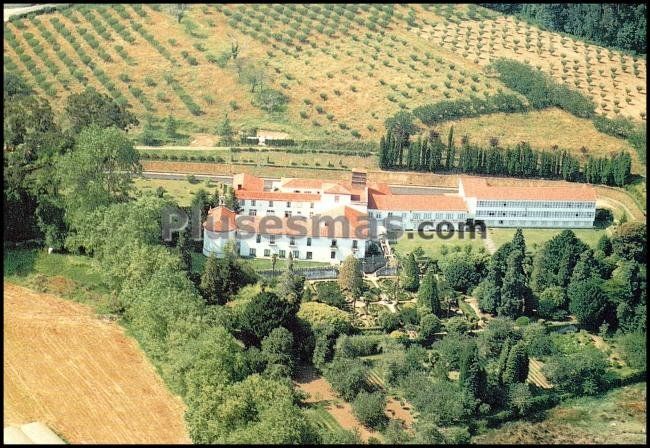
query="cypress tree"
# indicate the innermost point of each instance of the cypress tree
(351, 276)
(291, 284)
(472, 377)
(516, 370)
(428, 293)
(518, 241)
(383, 156)
(586, 267)
(184, 247)
(514, 291)
(503, 360)
(605, 245)
(410, 274)
(212, 282)
(451, 151)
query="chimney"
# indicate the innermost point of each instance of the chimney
(358, 177)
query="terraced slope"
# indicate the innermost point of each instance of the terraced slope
(343, 68)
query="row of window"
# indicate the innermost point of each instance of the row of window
(533, 214)
(253, 203)
(269, 212)
(531, 223)
(437, 216)
(292, 241)
(282, 254)
(537, 204)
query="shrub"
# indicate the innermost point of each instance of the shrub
(369, 409)
(522, 321)
(347, 377)
(580, 373)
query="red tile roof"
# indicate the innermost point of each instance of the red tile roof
(416, 202)
(301, 183)
(355, 224)
(248, 182)
(276, 196)
(335, 189)
(220, 219)
(481, 188)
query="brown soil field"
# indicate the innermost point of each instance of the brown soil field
(320, 390)
(80, 375)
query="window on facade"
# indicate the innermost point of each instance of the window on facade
(332, 254)
(292, 241)
(287, 214)
(258, 239)
(252, 252)
(252, 212)
(270, 203)
(296, 254)
(270, 212)
(288, 204)
(354, 244)
(281, 253)
(308, 256)
(267, 252)
(333, 243)
(308, 241)
(311, 205)
(272, 239)
(252, 201)
(336, 198)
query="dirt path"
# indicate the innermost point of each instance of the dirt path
(483, 317)
(320, 390)
(489, 243)
(81, 376)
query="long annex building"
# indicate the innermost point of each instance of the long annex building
(324, 220)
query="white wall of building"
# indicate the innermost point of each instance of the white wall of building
(412, 219)
(302, 248)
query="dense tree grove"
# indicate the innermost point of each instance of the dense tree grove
(612, 25)
(229, 342)
(520, 161)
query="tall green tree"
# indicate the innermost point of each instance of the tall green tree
(516, 370)
(428, 293)
(451, 150)
(410, 274)
(93, 108)
(588, 302)
(262, 314)
(99, 170)
(503, 360)
(351, 276)
(515, 291)
(291, 284)
(184, 246)
(472, 377)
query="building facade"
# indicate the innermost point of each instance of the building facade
(321, 220)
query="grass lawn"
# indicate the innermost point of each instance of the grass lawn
(432, 246)
(198, 260)
(19, 264)
(617, 416)
(317, 413)
(180, 190)
(539, 236)
(73, 277)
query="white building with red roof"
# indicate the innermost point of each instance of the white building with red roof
(561, 205)
(327, 220)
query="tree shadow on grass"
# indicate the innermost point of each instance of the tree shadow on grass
(19, 262)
